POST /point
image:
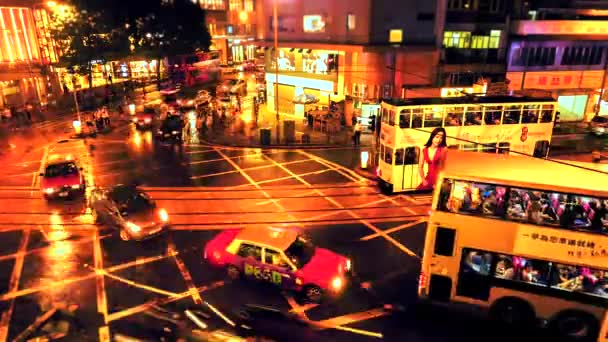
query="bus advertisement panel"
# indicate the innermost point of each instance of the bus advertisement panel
(508, 234)
(413, 130)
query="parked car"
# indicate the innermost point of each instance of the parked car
(130, 210)
(228, 69)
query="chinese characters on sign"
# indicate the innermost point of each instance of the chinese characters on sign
(573, 247)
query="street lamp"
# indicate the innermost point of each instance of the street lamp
(275, 21)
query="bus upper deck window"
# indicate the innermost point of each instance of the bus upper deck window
(473, 119)
(433, 117)
(493, 115)
(454, 116)
(546, 113)
(530, 114)
(391, 118)
(417, 117)
(405, 117)
(512, 115)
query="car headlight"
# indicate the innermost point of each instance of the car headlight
(135, 120)
(337, 283)
(348, 265)
(133, 227)
(164, 216)
(49, 190)
(174, 132)
(191, 102)
(75, 186)
(147, 120)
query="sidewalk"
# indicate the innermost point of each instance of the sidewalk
(237, 133)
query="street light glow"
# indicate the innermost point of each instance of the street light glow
(51, 4)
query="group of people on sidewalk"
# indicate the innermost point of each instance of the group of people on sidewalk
(98, 120)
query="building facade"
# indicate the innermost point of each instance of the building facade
(26, 53)
(354, 50)
(561, 48)
(232, 25)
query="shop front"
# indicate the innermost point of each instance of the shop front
(308, 79)
(241, 50)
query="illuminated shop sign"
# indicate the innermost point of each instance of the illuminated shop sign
(314, 23)
(316, 63)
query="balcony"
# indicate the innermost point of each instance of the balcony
(583, 28)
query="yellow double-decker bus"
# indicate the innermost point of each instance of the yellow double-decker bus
(522, 237)
(492, 124)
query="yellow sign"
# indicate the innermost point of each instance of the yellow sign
(561, 245)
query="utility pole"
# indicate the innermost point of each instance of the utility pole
(275, 21)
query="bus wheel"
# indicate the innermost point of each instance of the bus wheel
(575, 326)
(512, 311)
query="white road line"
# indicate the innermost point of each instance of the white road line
(14, 285)
(45, 155)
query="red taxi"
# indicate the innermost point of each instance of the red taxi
(62, 177)
(281, 257)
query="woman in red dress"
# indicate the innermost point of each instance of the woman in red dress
(433, 154)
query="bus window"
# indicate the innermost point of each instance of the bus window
(405, 117)
(473, 116)
(504, 147)
(469, 147)
(512, 115)
(385, 115)
(541, 149)
(399, 156)
(454, 116)
(488, 148)
(416, 117)
(524, 270)
(531, 113)
(391, 118)
(493, 115)
(411, 155)
(433, 117)
(473, 198)
(546, 114)
(473, 278)
(388, 155)
(580, 279)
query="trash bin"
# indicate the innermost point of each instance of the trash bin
(305, 138)
(289, 131)
(264, 136)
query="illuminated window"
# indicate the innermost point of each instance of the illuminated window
(480, 42)
(235, 5)
(213, 4)
(350, 22)
(314, 23)
(461, 40)
(460, 5)
(395, 36)
(494, 39)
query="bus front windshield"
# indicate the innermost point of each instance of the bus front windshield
(300, 252)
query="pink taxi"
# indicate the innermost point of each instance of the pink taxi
(281, 257)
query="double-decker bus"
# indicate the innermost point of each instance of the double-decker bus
(523, 238)
(493, 124)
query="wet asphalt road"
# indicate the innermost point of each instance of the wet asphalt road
(51, 254)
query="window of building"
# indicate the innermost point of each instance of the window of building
(480, 42)
(457, 39)
(582, 55)
(395, 36)
(235, 5)
(495, 39)
(425, 16)
(350, 22)
(248, 5)
(460, 5)
(314, 23)
(213, 4)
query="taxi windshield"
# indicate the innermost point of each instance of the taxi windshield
(63, 169)
(300, 251)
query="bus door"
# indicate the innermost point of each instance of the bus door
(405, 170)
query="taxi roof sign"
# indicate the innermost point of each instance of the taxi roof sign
(274, 237)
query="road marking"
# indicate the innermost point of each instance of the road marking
(283, 178)
(37, 323)
(353, 317)
(104, 334)
(394, 229)
(14, 285)
(138, 285)
(351, 213)
(159, 301)
(183, 270)
(45, 155)
(102, 304)
(336, 167)
(297, 308)
(245, 169)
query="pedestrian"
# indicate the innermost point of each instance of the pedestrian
(353, 120)
(106, 116)
(372, 123)
(357, 133)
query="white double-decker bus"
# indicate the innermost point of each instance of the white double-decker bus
(524, 238)
(472, 123)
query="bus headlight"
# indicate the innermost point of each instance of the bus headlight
(337, 283)
(162, 213)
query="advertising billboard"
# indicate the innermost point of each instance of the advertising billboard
(304, 63)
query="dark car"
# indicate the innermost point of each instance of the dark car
(171, 129)
(599, 125)
(130, 210)
(144, 120)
